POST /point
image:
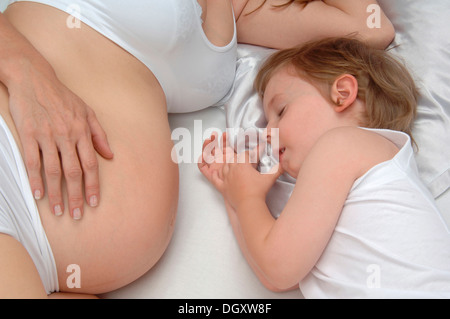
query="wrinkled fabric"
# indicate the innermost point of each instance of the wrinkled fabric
(244, 110)
(423, 42)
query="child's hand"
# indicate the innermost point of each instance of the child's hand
(241, 181)
(235, 175)
(213, 158)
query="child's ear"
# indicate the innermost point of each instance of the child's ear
(344, 92)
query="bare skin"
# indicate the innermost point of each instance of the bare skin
(124, 236)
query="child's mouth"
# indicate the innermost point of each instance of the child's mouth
(281, 152)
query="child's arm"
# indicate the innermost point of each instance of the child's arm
(297, 23)
(284, 250)
(211, 164)
(239, 238)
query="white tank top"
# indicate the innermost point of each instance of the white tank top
(390, 240)
(167, 36)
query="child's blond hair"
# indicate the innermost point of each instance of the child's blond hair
(384, 84)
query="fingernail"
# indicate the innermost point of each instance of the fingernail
(58, 210)
(77, 214)
(93, 201)
(37, 194)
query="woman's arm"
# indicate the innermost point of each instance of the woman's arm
(298, 22)
(53, 120)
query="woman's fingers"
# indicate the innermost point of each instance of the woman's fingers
(73, 175)
(53, 177)
(99, 138)
(89, 164)
(68, 152)
(32, 162)
(52, 120)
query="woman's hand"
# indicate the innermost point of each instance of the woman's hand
(53, 120)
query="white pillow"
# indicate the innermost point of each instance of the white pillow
(423, 41)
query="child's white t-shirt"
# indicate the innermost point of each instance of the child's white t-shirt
(390, 240)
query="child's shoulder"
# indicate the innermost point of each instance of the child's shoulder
(357, 146)
(353, 135)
